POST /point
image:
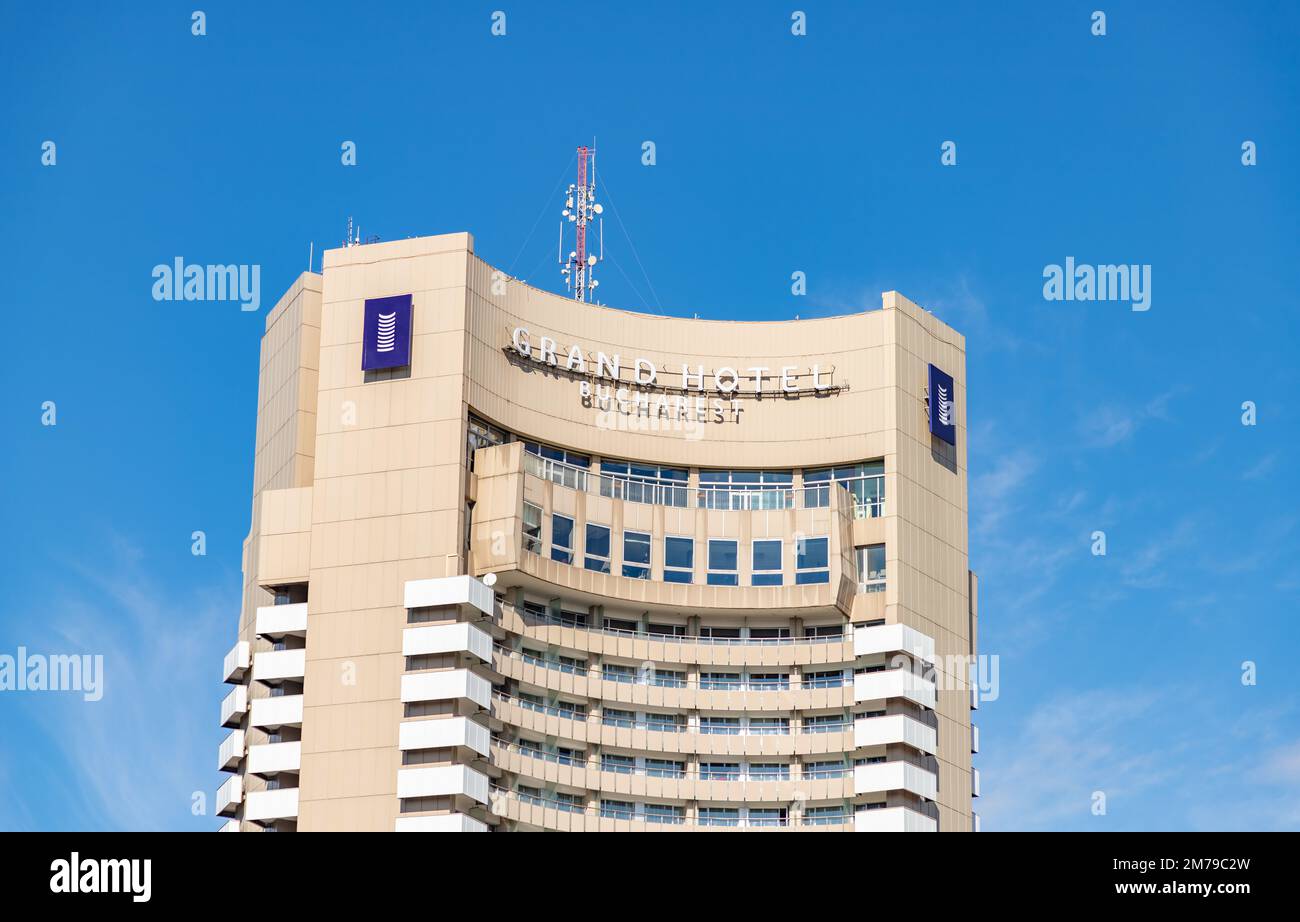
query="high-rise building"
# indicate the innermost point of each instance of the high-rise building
(521, 562)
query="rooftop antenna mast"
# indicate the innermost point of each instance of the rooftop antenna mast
(582, 210)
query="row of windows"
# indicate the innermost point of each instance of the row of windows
(811, 555)
(675, 814)
(728, 725)
(663, 767)
(675, 678)
(706, 633)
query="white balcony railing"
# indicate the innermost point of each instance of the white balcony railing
(273, 758)
(229, 826)
(446, 822)
(893, 819)
(230, 795)
(447, 686)
(893, 638)
(974, 738)
(442, 781)
(447, 638)
(234, 706)
(894, 683)
(879, 777)
(279, 665)
(444, 733)
(974, 782)
(264, 806)
(277, 621)
(236, 662)
(281, 711)
(895, 728)
(231, 752)
(449, 591)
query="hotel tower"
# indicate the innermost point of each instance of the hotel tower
(519, 562)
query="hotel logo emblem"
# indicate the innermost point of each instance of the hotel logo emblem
(939, 402)
(386, 339)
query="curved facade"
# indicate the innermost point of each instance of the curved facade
(567, 567)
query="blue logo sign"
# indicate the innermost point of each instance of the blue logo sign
(386, 340)
(940, 400)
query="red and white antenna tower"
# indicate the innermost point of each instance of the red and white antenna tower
(580, 210)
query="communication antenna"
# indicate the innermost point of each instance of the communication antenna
(581, 209)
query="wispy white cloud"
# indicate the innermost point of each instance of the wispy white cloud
(1108, 425)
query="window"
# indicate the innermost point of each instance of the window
(825, 816)
(719, 816)
(825, 723)
(532, 528)
(613, 717)
(636, 554)
(825, 770)
(768, 633)
(866, 482)
(829, 679)
(812, 561)
(617, 809)
(623, 765)
(529, 795)
(570, 803)
(722, 562)
(668, 678)
(769, 771)
(572, 665)
(720, 681)
(724, 726)
(679, 559)
(769, 726)
(561, 538)
(557, 465)
(664, 768)
(746, 490)
(664, 813)
(767, 563)
(597, 548)
(767, 816)
(480, 434)
(720, 771)
(530, 747)
(566, 756)
(824, 630)
(621, 625)
(666, 630)
(614, 673)
(571, 710)
(720, 633)
(666, 723)
(769, 681)
(871, 568)
(636, 482)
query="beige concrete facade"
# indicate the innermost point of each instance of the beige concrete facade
(437, 636)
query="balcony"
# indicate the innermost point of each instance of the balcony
(895, 728)
(893, 819)
(236, 662)
(447, 638)
(267, 806)
(447, 686)
(231, 752)
(273, 758)
(880, 777)
(974, 738)
(447, 822)
(442, 781)
(444, 733)
(234, 706)
(894, 683)
(276, 621)
(279, 665)
(974, 782)
(230, 795)
(893, 638)
(462, 592)
(974, 822)
(281, 711)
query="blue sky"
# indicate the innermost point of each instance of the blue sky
(775, 153)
